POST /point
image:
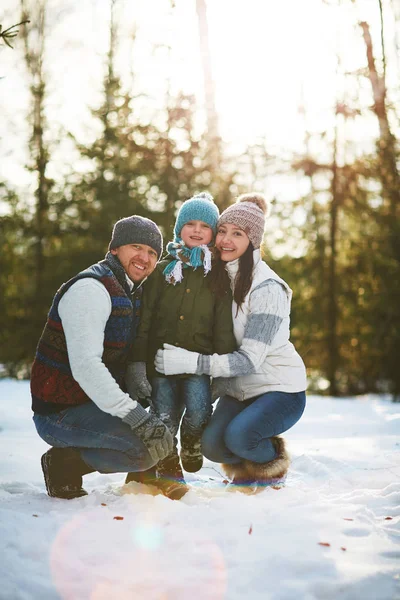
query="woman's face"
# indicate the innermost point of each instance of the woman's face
(231, 241)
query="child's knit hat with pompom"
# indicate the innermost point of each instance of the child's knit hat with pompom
(199, 208)
(248, 213)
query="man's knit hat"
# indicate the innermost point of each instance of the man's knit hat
(248, 213)
(199, 208)
(136, 230)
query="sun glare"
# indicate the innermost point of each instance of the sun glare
(276, 61)
(278, 67)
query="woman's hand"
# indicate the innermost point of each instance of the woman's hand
(175, 361)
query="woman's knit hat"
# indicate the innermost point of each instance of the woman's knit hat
(199, 208)
(248, 213)
(136, 230)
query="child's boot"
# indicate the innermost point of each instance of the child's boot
(191, 454)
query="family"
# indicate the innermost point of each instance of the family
(136, 349)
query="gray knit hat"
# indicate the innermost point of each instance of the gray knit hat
(136, 230)
(248, 213)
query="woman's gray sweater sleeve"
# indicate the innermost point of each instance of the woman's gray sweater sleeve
(268, 306)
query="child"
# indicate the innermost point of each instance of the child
(180, 308)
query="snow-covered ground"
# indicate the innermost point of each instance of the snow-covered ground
(332, 533)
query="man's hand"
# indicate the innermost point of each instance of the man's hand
(175, 361)
(152, 431)
(136, 380)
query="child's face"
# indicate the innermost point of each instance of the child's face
(196, 233)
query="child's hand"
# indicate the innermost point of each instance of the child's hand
(136, 381)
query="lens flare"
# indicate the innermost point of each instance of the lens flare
(157, 551)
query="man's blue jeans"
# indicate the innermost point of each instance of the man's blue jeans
(173, 396)
(106, 443)
(241, 430)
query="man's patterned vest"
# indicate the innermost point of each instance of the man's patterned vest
(53, 387)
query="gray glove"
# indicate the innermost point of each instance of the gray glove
(219, 387)
(151, 430)
(136, 380)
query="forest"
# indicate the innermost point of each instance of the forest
(113, 107)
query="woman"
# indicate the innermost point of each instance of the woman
(265, 380)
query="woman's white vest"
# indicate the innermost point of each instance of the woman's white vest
(283, 369)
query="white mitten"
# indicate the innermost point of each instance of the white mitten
(175, 361)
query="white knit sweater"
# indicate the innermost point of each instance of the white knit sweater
(84, 311)
(266, 360)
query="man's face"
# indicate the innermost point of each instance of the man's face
(138, 260)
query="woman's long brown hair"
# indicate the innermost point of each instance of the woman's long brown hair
(219, 278)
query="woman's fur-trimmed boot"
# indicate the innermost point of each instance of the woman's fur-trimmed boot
(240, 478)
(272, 473)
(250, 476)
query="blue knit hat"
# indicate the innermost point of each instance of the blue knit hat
(199, 208)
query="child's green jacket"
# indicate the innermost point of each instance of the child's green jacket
(188, 315)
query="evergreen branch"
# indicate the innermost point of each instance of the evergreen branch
(11, 32)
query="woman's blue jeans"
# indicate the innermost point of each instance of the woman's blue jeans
(242, 430)
(106, 443)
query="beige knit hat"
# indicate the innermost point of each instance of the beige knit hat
(248, 213)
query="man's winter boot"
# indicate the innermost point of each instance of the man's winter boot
(170, 477)
(63, 469)
(272, 473)
(148, 477)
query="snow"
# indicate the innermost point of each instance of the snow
(343, 489)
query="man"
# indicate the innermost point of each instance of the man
(79, 401)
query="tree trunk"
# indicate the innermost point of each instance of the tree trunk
(34, 55)
(333, 357)
(387, 145)
(209, 88)
(390, 180)
(109, 80)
